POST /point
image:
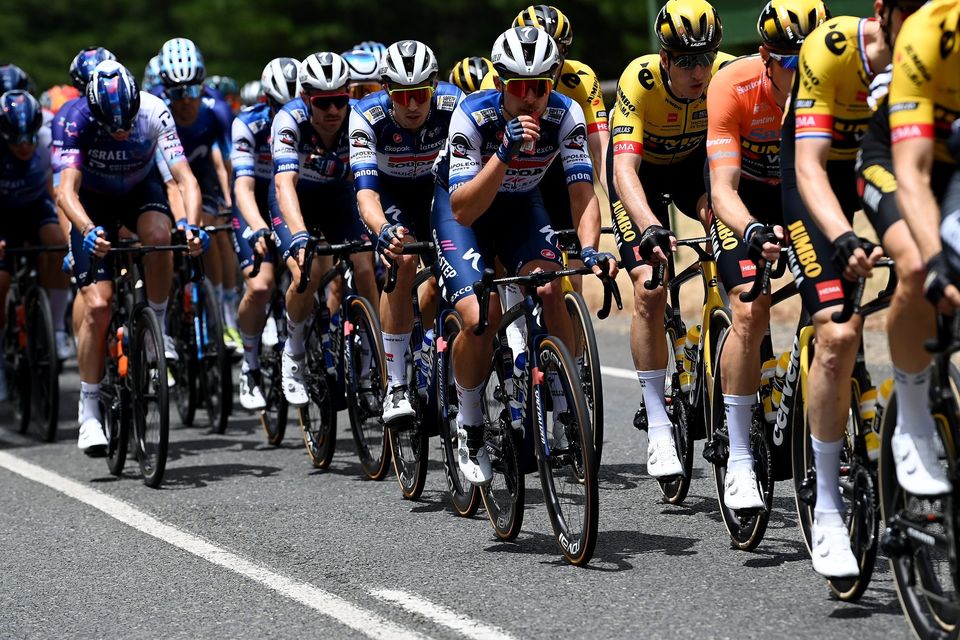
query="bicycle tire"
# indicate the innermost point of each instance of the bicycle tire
(116, 422)
(216, 370)
(464, 497)
(149, 387)
(318, 419)
(591, 379)
(576, 541)
(180, 328)
(505, 495)
(409, 442)
(674, 490)
(44, 365)
(366, 388)
(18, 366)
(273, 418)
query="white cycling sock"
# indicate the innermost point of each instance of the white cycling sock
(90, 401)
(658, 422)
(251, 352)
(826, 457)
(395, 350)
(160, 309)
(58, 307)
(515, 339)
(470, 409)
(739, 413)
(556, 392)
(294, 345)
(230, 308)
(913, 409)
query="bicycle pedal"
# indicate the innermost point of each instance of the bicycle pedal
(894, 543)
(715, 452)
(807, 491)
(640, 419)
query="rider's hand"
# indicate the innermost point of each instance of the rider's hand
(297, 244)
(763, 241)
(603, 263)
(390, 242)
(197, 239)
(855, 256)
(656, 243)
(95, 242)
(66, 266)
(520, 130)
(938, 287)
(258, 241)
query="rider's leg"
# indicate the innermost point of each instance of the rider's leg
(251, 315)
(396, 319)
(51, 275)
(229, 270)
(153, 227)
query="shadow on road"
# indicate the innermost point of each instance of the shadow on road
(200, 476)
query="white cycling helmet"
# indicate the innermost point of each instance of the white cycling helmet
(409, 62)
(279, 79)
(324, 71)
(525, 51)
(364, 66)
(181, 63)
(250, 93)
(151, 75)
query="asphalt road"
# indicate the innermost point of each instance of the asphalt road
(245, 540)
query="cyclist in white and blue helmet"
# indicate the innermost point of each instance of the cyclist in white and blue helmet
(372, 46)
(151, 75)
(364, 73)
(251, 93)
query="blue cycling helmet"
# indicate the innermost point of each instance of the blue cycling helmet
(371, 46)
(181, 63)
(151, 75)
(84, 63)
(364, 66)
(113, 96)
(13, 78)
(20, 117)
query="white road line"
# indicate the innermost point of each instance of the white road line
(617, 372)
(326, 603)
(441, 615)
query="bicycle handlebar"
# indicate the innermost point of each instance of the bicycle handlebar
(96, 261)
(409, 249)
(761, 281)
(851, 304)
(314, 248)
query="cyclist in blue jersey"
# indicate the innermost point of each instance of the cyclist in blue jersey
(13, 78)
(487, 205)
(312, 192)
(109, 179)
(395, 137)
(26, 203)
(252, 175)
(364, 73)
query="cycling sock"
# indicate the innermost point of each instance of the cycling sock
(160, 309)
(913, 410)
(395, 350)
(557, 394)
(470, 411)
(251, 352)
(739, 413)
(230, 308)
(58, 307)
(294, 345)
(658, 422)
(826, 456)
(515, 339)
(90, 401)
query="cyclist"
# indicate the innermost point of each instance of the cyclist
(487, 183)
(364, 73)
(743, 185)
(395, 137)
(378, 49)
(658, 147)
(228, 89)
(252, 175)
(923, 103)
(468, 74)
(29, 215)
(108, 179)
(251, 93)
(151, 76)
(55, 97)
(13, 77)
(311, 190)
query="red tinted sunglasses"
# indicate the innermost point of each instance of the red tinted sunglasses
(323, 102)
(405, 95)
(521, 86)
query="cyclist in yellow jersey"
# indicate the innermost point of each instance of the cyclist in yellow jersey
(659, 134)
(468, 73)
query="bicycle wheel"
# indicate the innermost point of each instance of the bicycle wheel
(44, 365)
(367, 383)
(504, 497)
(675, 490)
(409, 441)
(15, 356)
(318, 419)
(587, 358)
(151, 409)
(746, 528)
(273, 418)
(566, 459)
(216, 375)
(464, 497)
(923, 562)
(114, 400)
(180, 328)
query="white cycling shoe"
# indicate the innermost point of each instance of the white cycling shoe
(293, 380)
(396, 404)
(472, 455)
(251, 396)
(740, 491)
(662, 460)
(91, 436)
(831, 553)
(918, 468)
(269, 337)
(66, 348)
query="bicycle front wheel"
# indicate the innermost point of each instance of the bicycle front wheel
(408, 440)
(675, 489)
(504, 496)
(366, 365)
(215, 370)
(587, 358)
(318, 420)
(44, 366)
(180, 328)
(151, 407)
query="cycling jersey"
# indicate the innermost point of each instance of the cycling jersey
(211, 128)
(476, 129)
(117, 166)
(23, 182)
(250, 153)
(925, 89)
(833, 83)
(297, 147)
(649, 120)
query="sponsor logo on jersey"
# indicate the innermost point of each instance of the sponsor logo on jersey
(904, 106)
(397, 138)
(484, 115)
(829, 290)
(375, 114)
(672, 117)
(446, 103)
(806, 256)
(576, 139)
(747, 88)
(459, 146)
(805, 104)
(553, 114)
(287, 137)
(622, 130)
(360, 139)
(572, 80)
(699, 115)
(628, 146)
(549, 255)
(748, 269)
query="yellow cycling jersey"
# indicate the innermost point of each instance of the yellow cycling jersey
(650, 121)
(833, 82)
(579, 83)
(925, 90)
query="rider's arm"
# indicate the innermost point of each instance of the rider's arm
(68, 199)
(243, 160)
(814, 185)
(473, 185)
(220, 166)
(189, 190)
(285, 143)
(586, 93)
(584, 206)
(366, 174)
(724, 156)
(597, 143)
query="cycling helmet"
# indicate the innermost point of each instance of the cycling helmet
(551, 20)
(409, 62)
(251, 93)
(20, 117)
(324, 71)
(784, 24)
(468, 74)
(279, 80)
(525, 51)
(371, 46)
(226, 85)
(113, 96)
(84, 63)
(364, 66)
(181, 63)
(689, 26)
(151, 75)
(13, 77)
(56, 96)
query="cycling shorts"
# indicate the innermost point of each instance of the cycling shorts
(20, 226)
(877, 187)
(407, 202)
(242, 231)
(328, 212)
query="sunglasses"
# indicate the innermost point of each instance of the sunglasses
(26, 138)
(787, 62)
(405, 95)
(520, 87)
(361, 89)
(191, 91)
(691, 60)
(323, 102)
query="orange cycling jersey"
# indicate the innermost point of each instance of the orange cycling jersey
(925, 89)
(649, 120)
(833, 82)
(744, 126)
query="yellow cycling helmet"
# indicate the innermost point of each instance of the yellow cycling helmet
(549, 19)
(784, 24)
(469, 73)
(689, 26)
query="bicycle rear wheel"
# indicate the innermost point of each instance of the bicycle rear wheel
(273, 417)
(504, 496)
(587, 358)
(409, 441)
(367, 380)
(318, 420)
(216, 387)
(675, 489)
(44, 365)
(151, 408)
(114, 407)
(180, 328)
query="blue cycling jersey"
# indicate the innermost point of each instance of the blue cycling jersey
(297, 146)
(212, 127)
(25, 181)
(251, 155)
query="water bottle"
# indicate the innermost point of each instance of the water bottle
(883, 398)
(868, 416)
(779, 377)
(690, 347)
(768, 372)
(519, 396)
(424, 362)
(326, 344)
